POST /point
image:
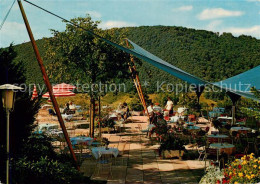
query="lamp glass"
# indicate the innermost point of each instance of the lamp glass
(8, 98)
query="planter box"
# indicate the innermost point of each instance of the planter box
(172, 153)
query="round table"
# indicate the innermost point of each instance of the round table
(220, 146)
(81, 139)
(218, 136)
(193, 128)
(189, 123)
(97, 152)
(240, 129)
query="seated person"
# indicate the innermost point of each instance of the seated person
(151, 112)
(125, 110)
(168, 107)
(157, 108)
(72, 106)
(66, 109)
(51, 112)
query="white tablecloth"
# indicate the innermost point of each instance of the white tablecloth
(97, 152)
(67, 116)
(174, 119)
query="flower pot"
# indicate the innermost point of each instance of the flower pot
(172, 153)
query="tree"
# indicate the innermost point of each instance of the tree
(256, 92)
(22, 116)
(76, 56)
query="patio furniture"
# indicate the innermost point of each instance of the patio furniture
(97, 152)
(104, 161)
(81, 139)
(192, 117)
(217, 137)
(174, 119)
(220, 147)
(240, 128)
(189, 123)
(201, 150)
(121, 157)
(193, 128)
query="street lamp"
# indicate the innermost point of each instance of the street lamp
(8, 96)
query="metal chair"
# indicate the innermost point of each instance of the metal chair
(105, 161)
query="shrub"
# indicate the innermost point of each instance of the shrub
(44, 170)
(106, 122)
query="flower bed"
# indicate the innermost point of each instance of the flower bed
(244, 170)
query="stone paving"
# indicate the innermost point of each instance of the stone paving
(140, 162)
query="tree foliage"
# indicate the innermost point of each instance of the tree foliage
(205, 54)
(76, 56)
(23, 115)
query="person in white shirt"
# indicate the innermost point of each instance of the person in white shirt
(168, 107)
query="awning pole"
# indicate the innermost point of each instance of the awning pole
(47, 82)
(138, 84)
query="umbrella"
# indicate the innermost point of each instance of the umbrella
(64, 86)
(59, 93)
(34, 94)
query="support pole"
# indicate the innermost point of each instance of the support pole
(47, 82)
(234, 98)
(99, 115)
(7, 145)
(199, 91)
(137, 83)
(233, 113)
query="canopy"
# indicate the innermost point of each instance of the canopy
(250, 77)
(59, 93)
(161, 64)
(241, 84)
(64, 86)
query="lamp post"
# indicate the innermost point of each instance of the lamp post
(8, 95)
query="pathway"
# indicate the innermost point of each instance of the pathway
(142, 164)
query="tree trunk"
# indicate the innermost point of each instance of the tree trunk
(99, 115)
(92, 116)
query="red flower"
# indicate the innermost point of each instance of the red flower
(218, 182)
(239, 166)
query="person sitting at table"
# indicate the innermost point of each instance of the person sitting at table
(66, 109)
(168, 107)
(72, 106)
(125, 110)
(157, 108)
(151, 113)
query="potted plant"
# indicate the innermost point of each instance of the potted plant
(171, 146)
(106, 124)
(106, 142)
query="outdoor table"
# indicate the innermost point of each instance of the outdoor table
(218, 136)
(67, 116)
(220, 146)
(224, 118)
(174, 119)
(193, 128)
(189, 123)
(81, 139)
(97, 152)
(240, 129)
(240, 123)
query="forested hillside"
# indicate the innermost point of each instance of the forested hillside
(205, 54)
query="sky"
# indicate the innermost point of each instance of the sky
(235, 16)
